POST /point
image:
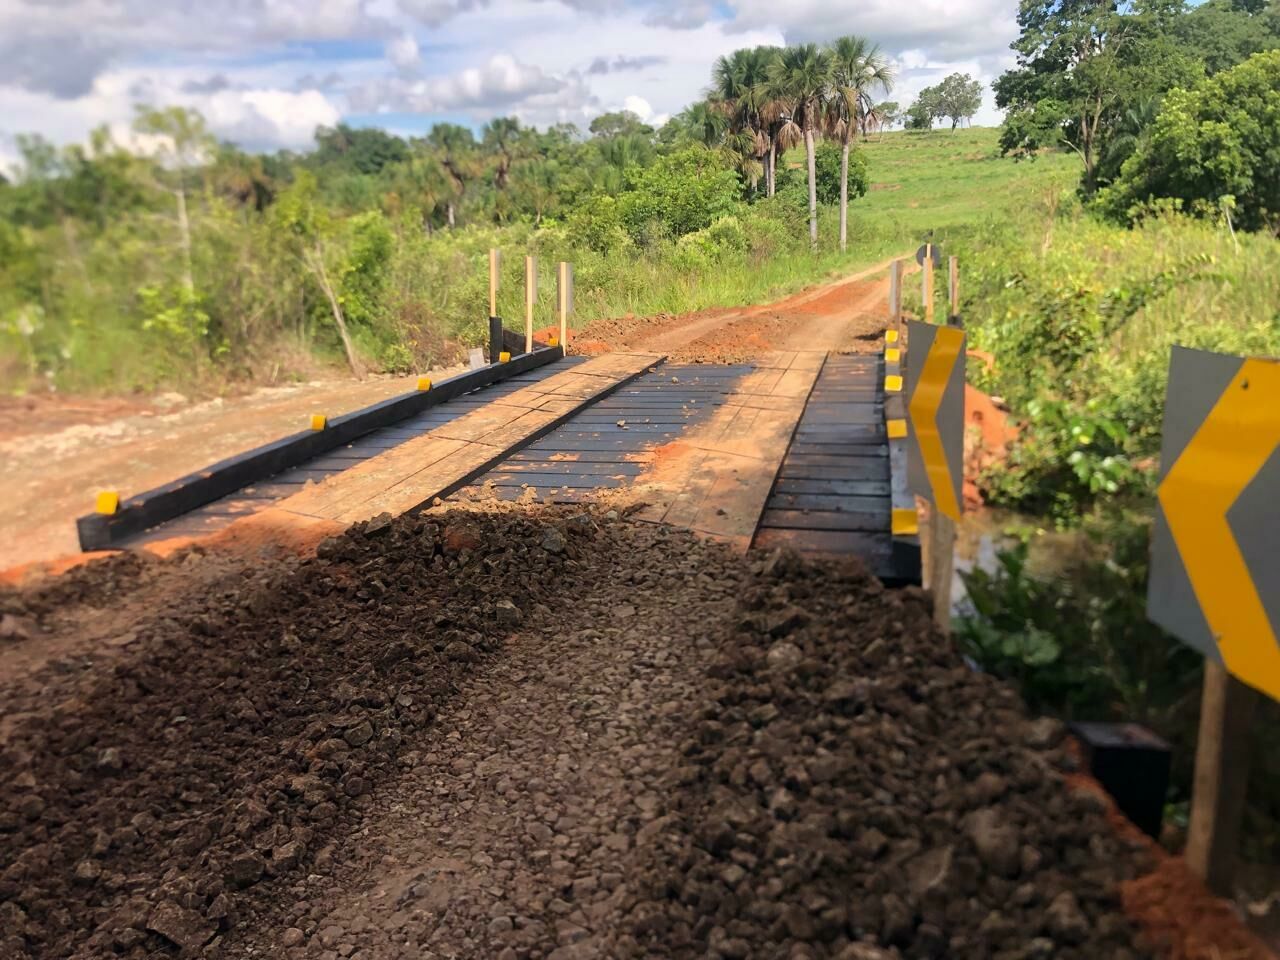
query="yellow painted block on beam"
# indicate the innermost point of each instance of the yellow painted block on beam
(893, 383)
(319, 421)
(906, 522)
(891, 336)
(553, 341)
(108, 502)
(897, 429)
(504, 356)
(892, 355)
(424, 383)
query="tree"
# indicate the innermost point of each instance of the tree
(184, 142)
(301, 217)
(839, 175)
(802, 76)
(622, 123)
(857, 67)
(364, 150)
(1079, 63)
(959, 97)
(926, 109)
(682, 192)
(888, 114)
(456, 148)
(1212, 145)
(1225, 32)
(740, 93)
(504, 138)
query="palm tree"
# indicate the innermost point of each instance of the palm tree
(801, 77)
(504, 138)
(456, 148)
(857, 67)
(739, 92)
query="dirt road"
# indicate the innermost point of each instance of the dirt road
(837, 316)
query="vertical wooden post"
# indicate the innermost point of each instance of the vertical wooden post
(942, 554)
(953, 287)
(1221, 778)
(565, 298)
(495, 322)
(926, 282)
(530, 298)
(895, 295)
(495, 267)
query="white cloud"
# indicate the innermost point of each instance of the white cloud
(267, 71)
(403, 52)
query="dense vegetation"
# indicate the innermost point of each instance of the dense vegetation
(1173, 115)
(200, 264)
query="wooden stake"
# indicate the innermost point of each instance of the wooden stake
(1221, 778)
(530, 298)
(565, 298)
(941, 565)
(495, 267)
(953, 286)
(926, 282)
(895, 295)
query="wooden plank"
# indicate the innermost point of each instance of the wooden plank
(448, 458)
(834, 503)
(866, 545)
(846, 488)
(826, 520)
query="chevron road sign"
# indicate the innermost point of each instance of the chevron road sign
(1215, 558)
(935, 406)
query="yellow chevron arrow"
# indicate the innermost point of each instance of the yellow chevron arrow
(924, 406)
(1230, 447)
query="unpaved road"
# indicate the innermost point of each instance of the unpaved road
(478, 734)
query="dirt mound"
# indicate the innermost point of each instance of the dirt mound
(854, 790)
(144, 802)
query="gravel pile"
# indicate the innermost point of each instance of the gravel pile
(852, 790)
(142, 802)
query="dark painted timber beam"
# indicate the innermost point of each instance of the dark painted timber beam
(100, 531)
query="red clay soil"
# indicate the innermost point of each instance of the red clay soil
(1179, 918)
(988, 434)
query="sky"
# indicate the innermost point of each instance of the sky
(266, 73)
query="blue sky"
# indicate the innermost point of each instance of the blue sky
(265, 73)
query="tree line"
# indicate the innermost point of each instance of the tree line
(130, 265)
(1165, 104)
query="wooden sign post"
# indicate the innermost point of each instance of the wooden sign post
(564, 297)
(895, 297)
(1221, 778)
(953, 287)
(926, 282)
(530, 299)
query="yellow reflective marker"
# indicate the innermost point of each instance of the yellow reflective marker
(892, 355)
(319, 421)
(108, 502)
(1236, 439)
(893, 383)
(891, 336)
(906, 522)
(924, 404)
(424, 383)
(553, 341)
(897, 429)
(504, 356)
